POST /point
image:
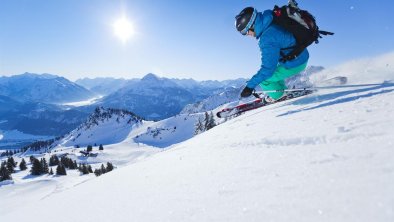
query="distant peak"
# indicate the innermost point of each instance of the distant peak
(42, 76)
(150, 77)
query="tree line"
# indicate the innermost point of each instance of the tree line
(42, 166)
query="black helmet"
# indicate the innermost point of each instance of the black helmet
(245, 19)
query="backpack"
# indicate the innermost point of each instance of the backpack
(301, 24)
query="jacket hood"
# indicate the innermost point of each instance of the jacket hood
(263, 20)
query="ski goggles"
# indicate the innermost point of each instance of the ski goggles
(250, 23)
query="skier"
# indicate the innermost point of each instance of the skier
(273, 41)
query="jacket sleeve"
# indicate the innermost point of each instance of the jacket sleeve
(270, 55)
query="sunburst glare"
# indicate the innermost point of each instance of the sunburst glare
(123, 29)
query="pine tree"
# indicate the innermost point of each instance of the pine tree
(210, 121)
(75, 165)
(71, 164)
(110, 167)
(84, 169)
(61, 170)
(10, 166)
(54, 160)
(31, 158)
(89, 148)
(22, 165)
(97, 172)
(199, 128)
(4, 173)
(206, 121)
(44, 166)
(90, 169)
(101, 147)
(102, 168)
(12, 161)
(67, 162)
(36, 168)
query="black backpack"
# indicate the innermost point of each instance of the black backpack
(301, 24)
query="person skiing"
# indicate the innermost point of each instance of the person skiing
(273, 41)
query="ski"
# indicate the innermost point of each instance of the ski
(260, 102)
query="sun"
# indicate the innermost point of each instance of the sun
(123, 29)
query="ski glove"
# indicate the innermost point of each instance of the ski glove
(246, 92)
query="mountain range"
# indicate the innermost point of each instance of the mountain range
(44, 88)
(36, 104)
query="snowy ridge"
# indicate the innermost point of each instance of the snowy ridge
(104, 126)
(170, 131)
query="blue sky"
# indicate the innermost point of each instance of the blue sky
(174, 38)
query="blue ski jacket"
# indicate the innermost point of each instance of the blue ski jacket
(272, 39)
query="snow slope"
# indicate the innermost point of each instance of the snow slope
(104, 126)
(325, 157)
(167, 132)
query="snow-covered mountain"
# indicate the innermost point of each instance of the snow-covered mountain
(7, 103)
(42, 88)
(31, 104)
(152, 98)
(156, 98)
(168, 132)
(324, 157)
(104, 126)
(23, 116)
(208, 84)
(103, 86)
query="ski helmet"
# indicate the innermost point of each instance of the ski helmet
(245, 20)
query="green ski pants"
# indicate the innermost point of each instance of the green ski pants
(277, 80)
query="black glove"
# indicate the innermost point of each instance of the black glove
(246, 92)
